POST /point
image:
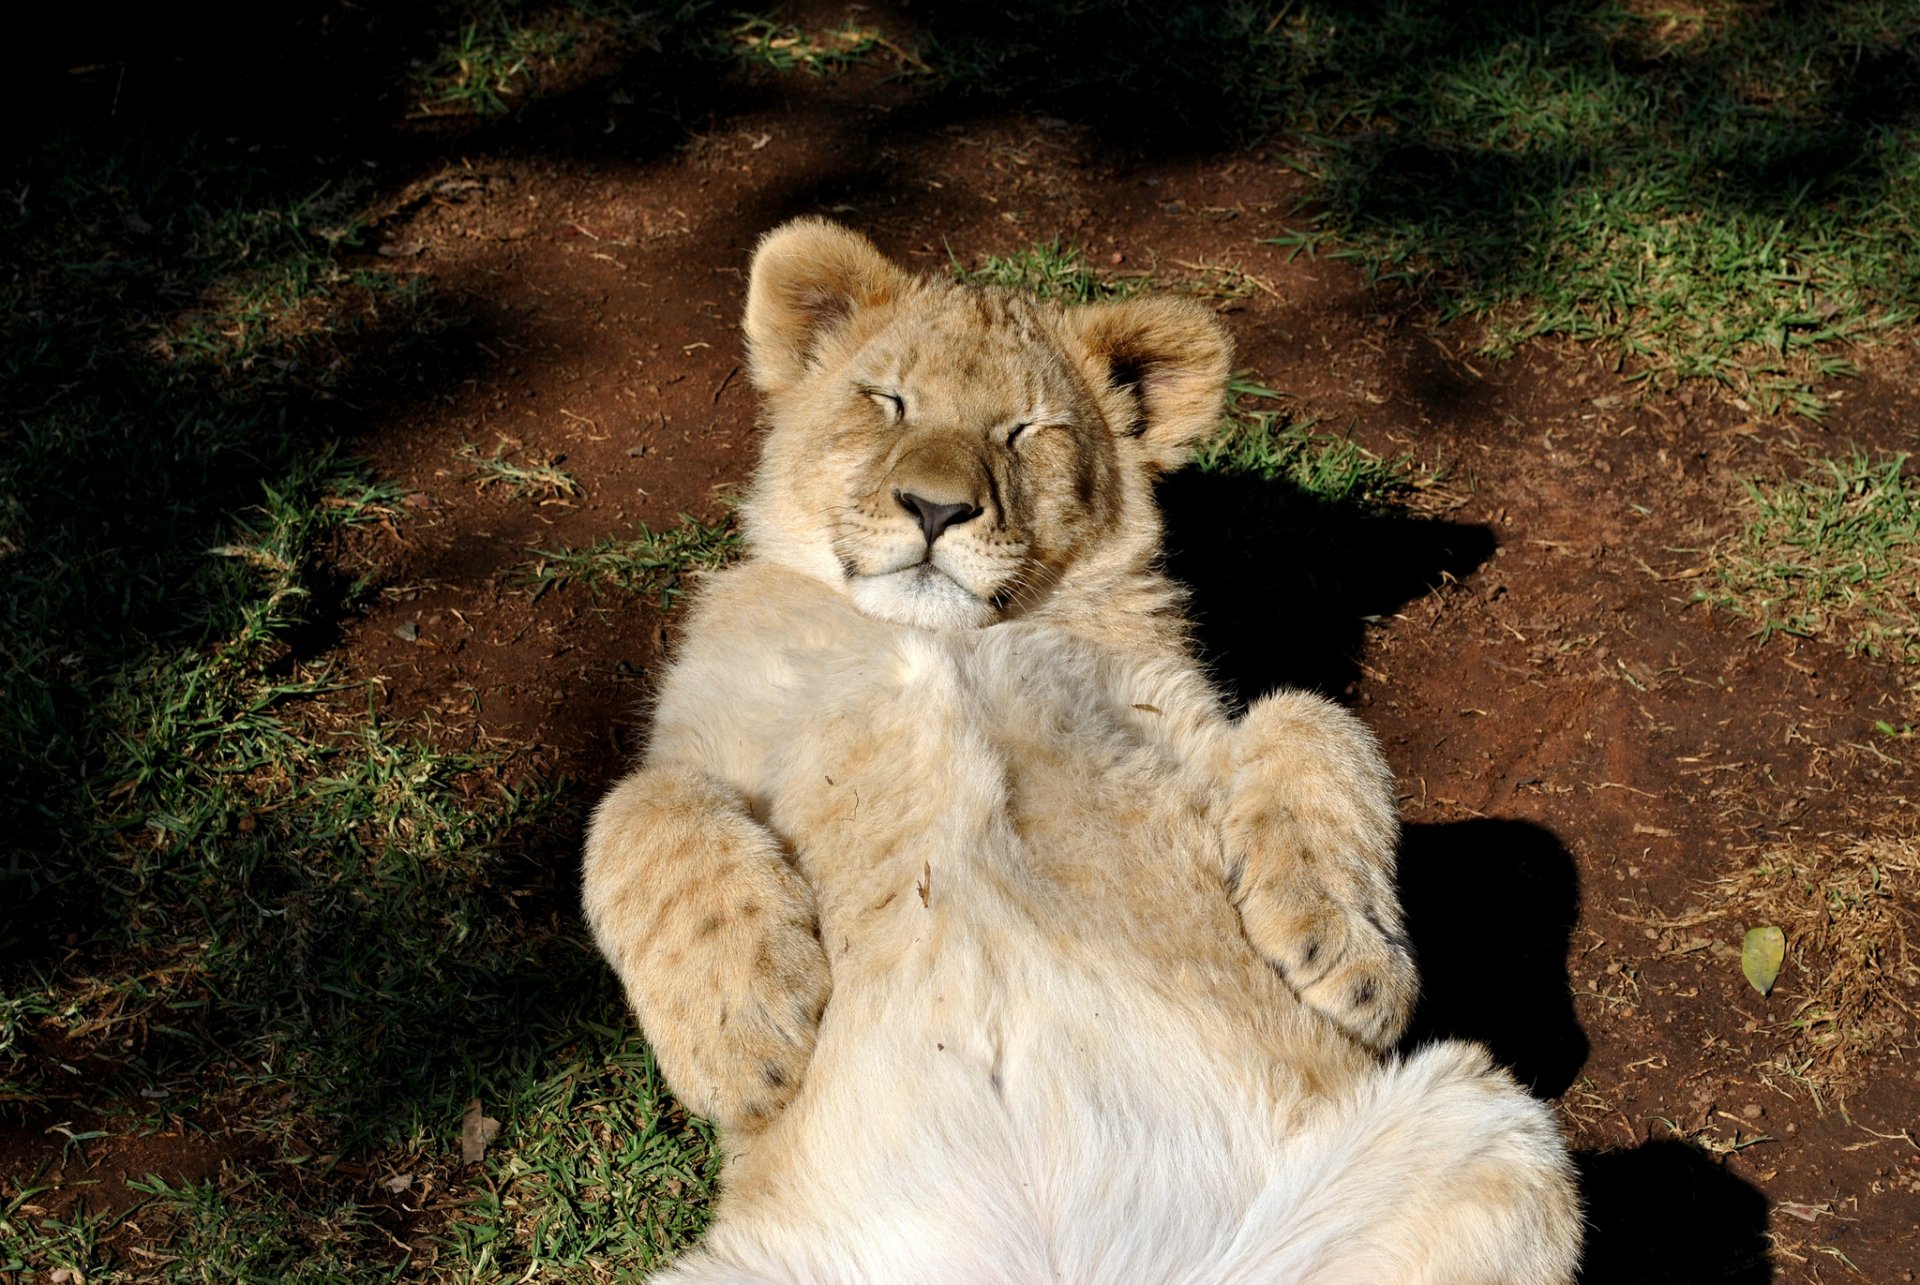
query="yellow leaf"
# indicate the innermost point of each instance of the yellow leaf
(1761, 955)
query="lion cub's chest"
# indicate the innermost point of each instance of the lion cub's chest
(988, 779)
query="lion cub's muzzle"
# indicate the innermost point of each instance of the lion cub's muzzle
(941, 482)
(930, 547)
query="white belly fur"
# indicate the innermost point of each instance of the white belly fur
(1011, 1084)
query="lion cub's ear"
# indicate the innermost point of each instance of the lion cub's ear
(809, 276)
(1160, 368)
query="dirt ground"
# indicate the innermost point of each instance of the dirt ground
(1582, 749)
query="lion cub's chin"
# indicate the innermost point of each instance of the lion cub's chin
(921, 596)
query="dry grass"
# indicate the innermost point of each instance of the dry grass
(1219, 284)
(1655, 28)
(1851, 989)
(539, 479)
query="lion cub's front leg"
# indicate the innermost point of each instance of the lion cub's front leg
(714, 935)
(1311, 829)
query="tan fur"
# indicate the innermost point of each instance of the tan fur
(949, 890)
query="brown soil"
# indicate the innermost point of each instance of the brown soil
(1582, 749)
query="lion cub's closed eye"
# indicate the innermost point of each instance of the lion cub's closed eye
(893, 403)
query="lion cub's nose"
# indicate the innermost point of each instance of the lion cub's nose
(934, 517)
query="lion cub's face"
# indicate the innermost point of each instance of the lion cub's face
(949, 456)
(962, 464)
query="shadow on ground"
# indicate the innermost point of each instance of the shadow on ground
(1284, 585)
(1664, 1213)
(1490, 906)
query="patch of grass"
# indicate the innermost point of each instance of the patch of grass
(541, 480)
(1263, 441)
(1059, 270)
(782, 46)
(486, 68)
(598, 1171)
(1216, 283)
(243, 1233)
(291, 902)
(651, 563)
(236, 898)
(1056, 270)
(1728, 194)
(498, 51)
(491, 57)
(249, 843)
(1722, 208)
(1836, 553)
(29, 1239)
(129, 459)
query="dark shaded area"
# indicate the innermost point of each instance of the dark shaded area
(172, 168)
(1664, 1213)
(1490, 907)
(1284, 584)
(334, 76)
(173, 162)
(1146, 76)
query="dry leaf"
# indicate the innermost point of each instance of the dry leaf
(476, 1131)
(1761, 955)
(1805, 1213)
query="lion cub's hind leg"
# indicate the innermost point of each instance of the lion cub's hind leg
(713, 934)
(1449, 1174)
(1311, 829)
(1440, 1170)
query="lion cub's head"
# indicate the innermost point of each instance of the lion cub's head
(951, 456)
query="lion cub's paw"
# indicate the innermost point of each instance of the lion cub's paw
(1350, 962)
(745, 1017)
(714, 937)
(1318, 903)
(1311, 828)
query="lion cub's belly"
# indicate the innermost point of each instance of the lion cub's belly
(1036, 969)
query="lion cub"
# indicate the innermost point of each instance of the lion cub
(949, 890)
